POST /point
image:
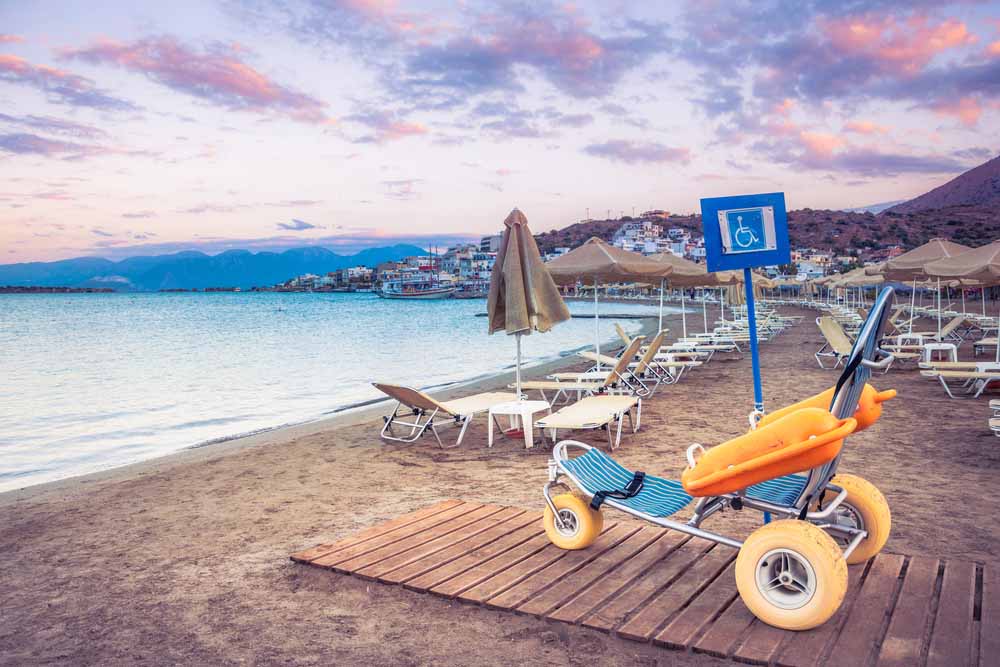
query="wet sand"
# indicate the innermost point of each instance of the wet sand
(184, 560)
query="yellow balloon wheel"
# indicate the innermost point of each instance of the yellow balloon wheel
(580, 524)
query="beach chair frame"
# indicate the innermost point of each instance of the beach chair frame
(866, 355)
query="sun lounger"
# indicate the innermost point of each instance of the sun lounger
(619, 377)
(982, 344)
(974, 382)
(651, 369)
(837, 345)
(424, 409)
(948, 333)
(594, 412)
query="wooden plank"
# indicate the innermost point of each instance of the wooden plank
(951, 638)
(761, 645)
(904, 641)
(322, 549)
(726, 631)
(809, 646)
(435, 578)
(989, 620)
(510, 558)
(475, 525)
(509, 597)
(353, 565)
(519, 519)
(623, 605)
(864, 624)
(681, 631)
(590, 598)
(379, 541)
(658, 611)
(596, 570)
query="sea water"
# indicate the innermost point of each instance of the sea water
(94, 381)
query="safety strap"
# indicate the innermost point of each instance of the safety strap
(631, 489)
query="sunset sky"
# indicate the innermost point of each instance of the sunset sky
(131, 127)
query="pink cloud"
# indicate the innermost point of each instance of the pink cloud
(635, 152)
(386, 126)
(217, 74)
(784, 107)
(61, 86)
(993, 49)
(865, 127)
(821, 144)
(902, 47)
(11, 39)
(965, 109)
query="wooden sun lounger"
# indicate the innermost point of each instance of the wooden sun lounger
(595, 412)
(837, 344)
(619, 375)
(424, 409)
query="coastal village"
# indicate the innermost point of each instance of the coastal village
(466, 268)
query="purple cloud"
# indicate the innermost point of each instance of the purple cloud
(385, 126)
(402, 189)
(60, 86)
(31, 144)
(636, 152)
(219, 75)
(54, 126)
(139, 214)
(297, 225)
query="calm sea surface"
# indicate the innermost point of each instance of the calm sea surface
(95, 381)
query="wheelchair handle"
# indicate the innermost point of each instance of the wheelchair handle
(690, 454)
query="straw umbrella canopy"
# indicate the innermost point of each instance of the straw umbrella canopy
(910, 265)
(596, 261)
(981, 265)
(523, 297)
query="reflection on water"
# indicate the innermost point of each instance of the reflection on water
(95, 381)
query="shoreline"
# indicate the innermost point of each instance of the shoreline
(336, 418)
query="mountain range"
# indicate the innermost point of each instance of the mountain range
(195, 270)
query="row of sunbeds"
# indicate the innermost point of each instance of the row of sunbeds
(601, 397)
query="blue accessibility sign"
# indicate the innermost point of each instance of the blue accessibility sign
(745, 231)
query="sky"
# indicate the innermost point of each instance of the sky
(141, 128)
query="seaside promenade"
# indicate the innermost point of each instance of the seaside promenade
(184, 559)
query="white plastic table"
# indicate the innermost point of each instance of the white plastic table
(949, 349)
(522, 411)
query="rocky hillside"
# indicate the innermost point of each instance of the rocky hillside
(977, 187)
(839, 231)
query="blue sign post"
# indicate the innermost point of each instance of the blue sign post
(740, 233)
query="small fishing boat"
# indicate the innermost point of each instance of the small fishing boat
(417, 287)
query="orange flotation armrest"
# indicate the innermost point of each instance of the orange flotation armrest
(868, 412)
(798, 441)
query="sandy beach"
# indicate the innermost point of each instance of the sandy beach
(184, 559)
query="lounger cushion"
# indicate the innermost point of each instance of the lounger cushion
(590, 412)
(596, 471)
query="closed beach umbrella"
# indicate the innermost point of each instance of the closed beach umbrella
(981, 265)
(595, 262)
(523, 297)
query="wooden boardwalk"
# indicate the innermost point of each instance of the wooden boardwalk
(654, 585)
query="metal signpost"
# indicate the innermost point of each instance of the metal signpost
(740, 233)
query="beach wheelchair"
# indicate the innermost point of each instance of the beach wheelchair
(792, 572)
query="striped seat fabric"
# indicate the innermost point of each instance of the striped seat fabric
(780, 491)
(596, 471)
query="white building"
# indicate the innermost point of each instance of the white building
(641, 236)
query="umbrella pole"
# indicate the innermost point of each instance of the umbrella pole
(704, 307)
(939, 306)
(684, 315)
(517, 372)
(597, 327)
(962, 289)
(983, 290)
(913, 296)
(661, 305)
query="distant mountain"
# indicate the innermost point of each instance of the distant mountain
(977, 187)
(873, 208)
(195, 270)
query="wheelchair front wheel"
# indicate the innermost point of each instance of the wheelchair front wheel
(580, 524)
(865, 507)
(791, 574)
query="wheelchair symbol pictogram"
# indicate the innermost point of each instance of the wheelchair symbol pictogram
(747, 233)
